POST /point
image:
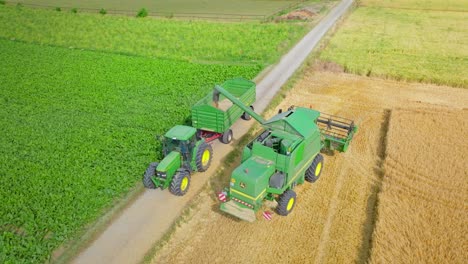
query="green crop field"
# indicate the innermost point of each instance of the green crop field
(251, 42)
(83, 97)
(78, 128)
(414, 45)
(220, 7)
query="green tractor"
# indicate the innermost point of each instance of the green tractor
(285, 154)
(186, 148)
(183, 154)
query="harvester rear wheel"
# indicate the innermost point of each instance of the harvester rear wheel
(227, 137)
(149, 173)
(203, 156)
(286, 202)
(180, 183)
(246, 115)
(315, 170)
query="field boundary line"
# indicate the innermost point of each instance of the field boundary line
(155, 14)
(376, 186)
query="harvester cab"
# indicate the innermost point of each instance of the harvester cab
(183, 154)
(285, 154)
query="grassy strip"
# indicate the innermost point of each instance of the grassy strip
(403, 44)
(247, 43)
(439, 5)
(77, 134)
(240, 7)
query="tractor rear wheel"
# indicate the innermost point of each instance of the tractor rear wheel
(149, 173)
(315, 170)
(203, 156)
(286, 202)
(246, 115)
(227, 137)
(180, 183)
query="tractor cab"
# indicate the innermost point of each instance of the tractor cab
(181, 139)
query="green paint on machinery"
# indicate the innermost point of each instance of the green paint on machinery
(214, 115)
(285, 154)
(183, 154)
(186, 148)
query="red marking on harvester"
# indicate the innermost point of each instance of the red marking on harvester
(267, 215)
(222, 197)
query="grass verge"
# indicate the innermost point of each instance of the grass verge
(412, 45)
(241, 43)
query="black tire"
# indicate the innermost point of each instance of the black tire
(246, 115)
(286, 202)
(180, 183)
(198, 134)
(227, 137)
(204, 151)
(315, 169)
(150, 172)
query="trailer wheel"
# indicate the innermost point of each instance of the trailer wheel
(203, 156)
(246, 115)
(227, 137)
(286, 202)
(315, 170)
(180, 183)
(149, 173)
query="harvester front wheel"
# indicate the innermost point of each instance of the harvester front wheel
(227, 137)
(286, 202)
(180, 183)
(246, 115)
(315, 170)
(203, 156)
(149, 173)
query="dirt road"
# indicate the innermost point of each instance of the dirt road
(144, 222)
(334, 217)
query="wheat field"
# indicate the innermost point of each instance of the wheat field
(423, 204)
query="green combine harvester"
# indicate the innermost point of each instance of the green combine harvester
(285, 154)
(186, 149)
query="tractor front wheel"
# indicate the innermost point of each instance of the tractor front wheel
(149, 173)
(180, 183)
(203, 156)
(315, 170)
(227, 137)
(286, 202)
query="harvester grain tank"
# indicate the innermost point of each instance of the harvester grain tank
(186, 149)
(285, 154)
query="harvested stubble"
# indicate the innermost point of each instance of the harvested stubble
(423, 205)
(333, 219)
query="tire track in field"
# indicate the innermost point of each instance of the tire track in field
(324, 237)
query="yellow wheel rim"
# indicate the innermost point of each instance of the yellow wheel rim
(290, 204)
(205, 157)
(318, 169)
(184, 184)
